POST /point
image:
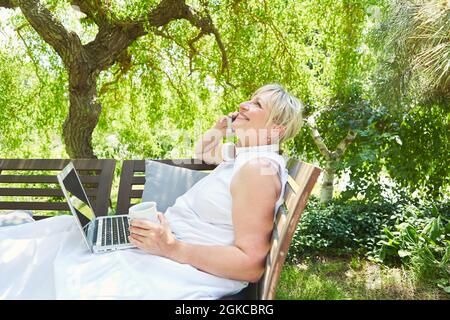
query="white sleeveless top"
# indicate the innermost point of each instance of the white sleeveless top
(203, 214)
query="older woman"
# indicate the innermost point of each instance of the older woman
(210, 243)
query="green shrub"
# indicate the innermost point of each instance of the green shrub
(421, 240)
(340, 227)
(413, 233)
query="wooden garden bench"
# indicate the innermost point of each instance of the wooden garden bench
(36, 179)
(302, 178)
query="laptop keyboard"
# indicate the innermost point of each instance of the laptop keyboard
(115, 231)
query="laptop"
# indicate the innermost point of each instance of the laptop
(101, 234)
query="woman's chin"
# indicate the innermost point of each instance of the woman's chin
(239, 123)
(235, 125)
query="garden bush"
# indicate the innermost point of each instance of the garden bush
(361, 226)
(341, 227)
(420, 240)
(409, 232)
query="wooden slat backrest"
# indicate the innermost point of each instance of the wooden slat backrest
(96, 176)
(132, 175)
(302, 178)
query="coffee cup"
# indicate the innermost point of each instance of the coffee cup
(145, 211)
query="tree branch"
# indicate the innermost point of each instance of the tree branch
(125, 65)
(351, 135)
(193, 51)
(30, 54)
(164, 34)
(206, 26)
(110, 43)
(169, 10)
(7, 4)
(317, 138)
(113, 36)
(92, 9)
(50, 29)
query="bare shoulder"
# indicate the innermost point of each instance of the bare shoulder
(259, 167)
(259, 172)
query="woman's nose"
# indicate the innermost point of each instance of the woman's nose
(244, 106)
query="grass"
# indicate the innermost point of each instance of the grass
(341, 278)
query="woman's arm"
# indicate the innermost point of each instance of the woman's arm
(209, 146)
(254, 196)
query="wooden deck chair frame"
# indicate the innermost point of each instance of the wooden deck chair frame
(302, 178)
(96, 175)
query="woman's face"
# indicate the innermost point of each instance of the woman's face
(251, 125)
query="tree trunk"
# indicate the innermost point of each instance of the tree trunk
(84, 113)
(332, 158)
(327, 187)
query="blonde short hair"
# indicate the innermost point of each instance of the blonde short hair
(286, 110)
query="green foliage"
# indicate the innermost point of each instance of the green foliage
(323, 51)
(361, 63)
(416, 234)
(408, 151)
(421, 240)
(413, 52)
(425, 133)
(32, 102)
(343, 227)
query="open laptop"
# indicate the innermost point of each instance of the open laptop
(101, 234)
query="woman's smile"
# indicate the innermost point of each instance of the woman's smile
(242, 116)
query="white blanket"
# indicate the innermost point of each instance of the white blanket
(48, 259)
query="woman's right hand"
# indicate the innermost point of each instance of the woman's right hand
(221, 124)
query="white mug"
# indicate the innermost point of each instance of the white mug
(144, 210)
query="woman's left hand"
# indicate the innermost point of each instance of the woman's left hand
(151, 237)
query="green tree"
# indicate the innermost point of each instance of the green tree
(118, 27)
(414, 61)
(339, 109)
(411, 85)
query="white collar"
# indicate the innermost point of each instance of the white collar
(262, 148)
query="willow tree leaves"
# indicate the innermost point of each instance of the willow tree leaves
(158, 98)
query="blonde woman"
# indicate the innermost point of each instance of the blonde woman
(211, 243)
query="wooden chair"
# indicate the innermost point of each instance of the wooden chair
(96, 175)
(302, 178)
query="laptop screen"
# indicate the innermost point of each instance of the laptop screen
(78, 199)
